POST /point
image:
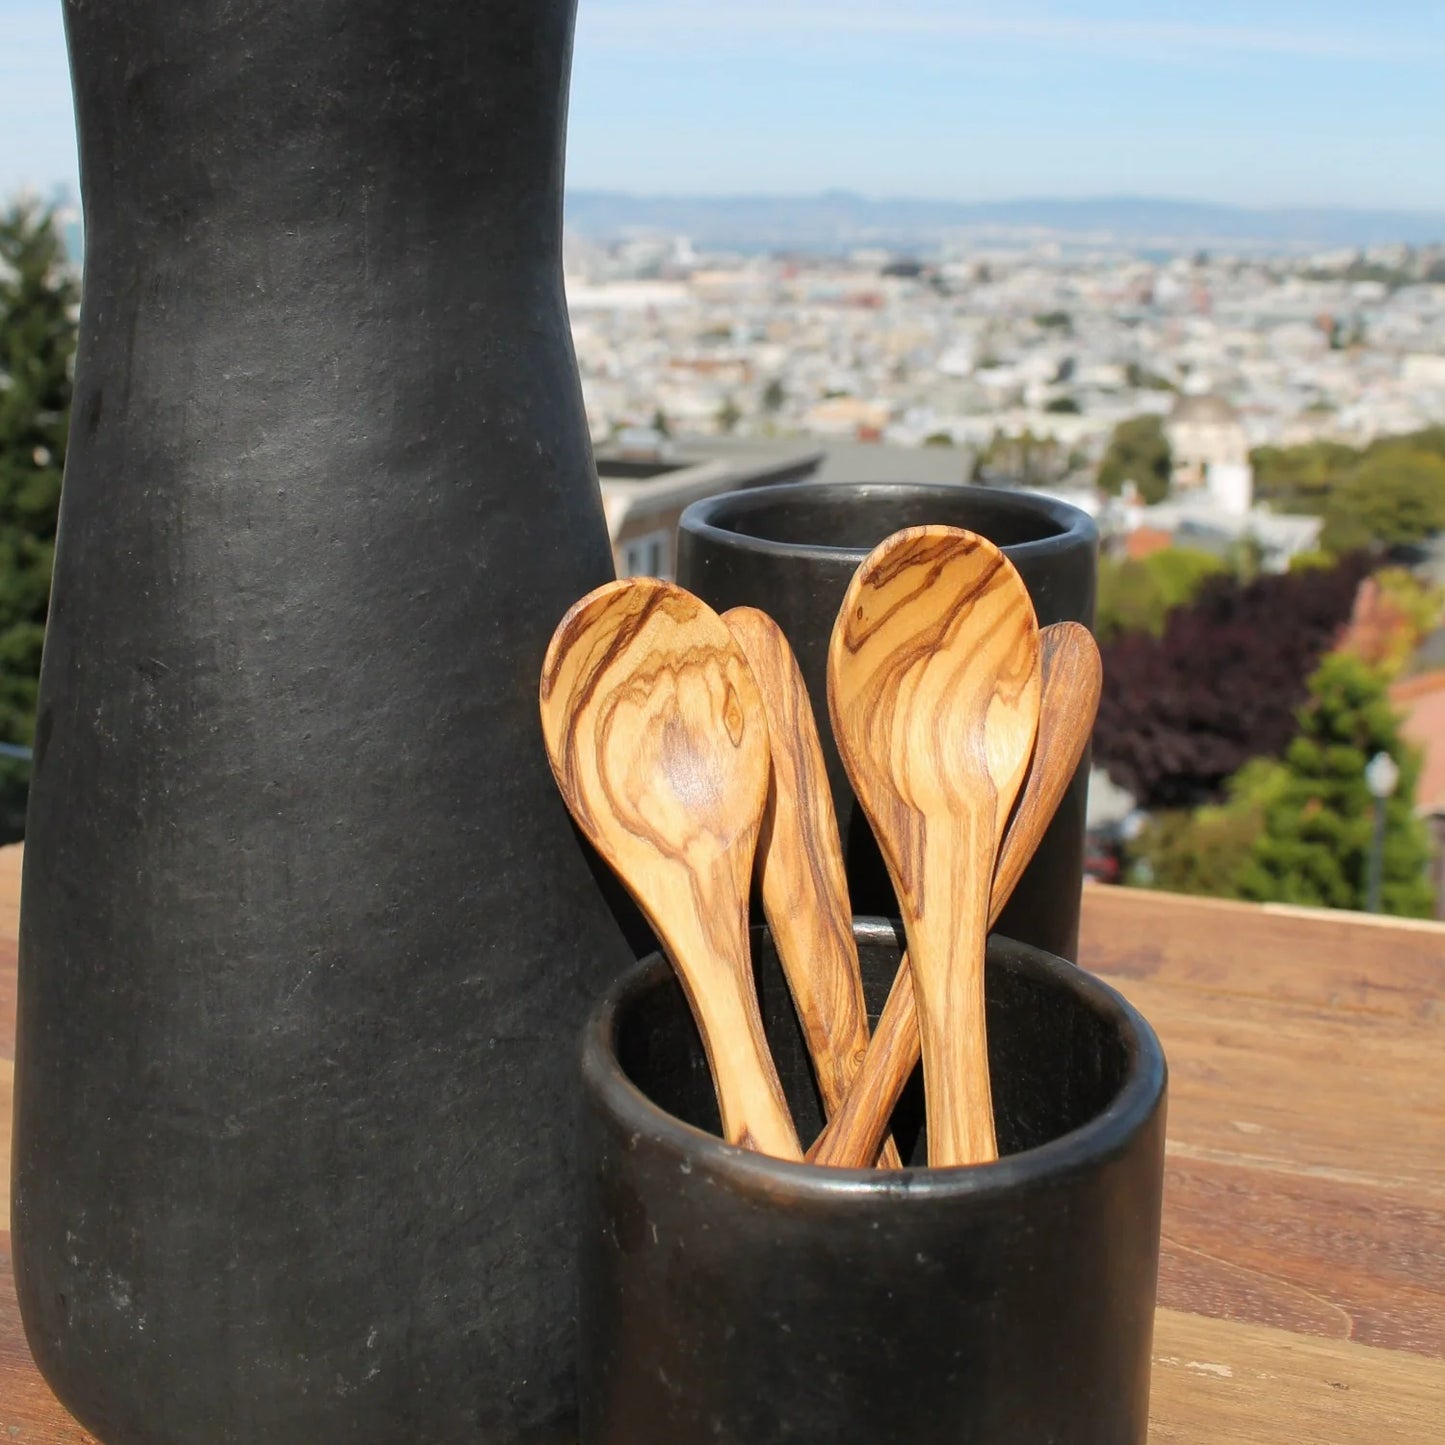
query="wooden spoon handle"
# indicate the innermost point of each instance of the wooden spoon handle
(656, 735)
(712, 960)
(800, 870)
(854, 1134)
(1073, 678)
(947, 924)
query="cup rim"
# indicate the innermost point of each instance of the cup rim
(1104, 1136)
(709, 518)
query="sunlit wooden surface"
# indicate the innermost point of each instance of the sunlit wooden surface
(1302, 1295)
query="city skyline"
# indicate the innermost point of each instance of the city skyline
(1269, 103)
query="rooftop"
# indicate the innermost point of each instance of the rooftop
(638, 483)
(1203, 411)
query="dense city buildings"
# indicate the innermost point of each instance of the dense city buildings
(1054, 345)
(1220, 415)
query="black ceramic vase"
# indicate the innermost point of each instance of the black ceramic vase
(307, 937)
(734, 1298)
(792, 550)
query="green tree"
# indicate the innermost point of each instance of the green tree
(1315, 845)
(1179, 572)
(1129, 600)
(39, 297)
(1397, 496)
(1204, 851)
(1137, 596)
(728, 415)
(773, 397)
(1138, 452)
(1430, 439)
(1024, 460)
(938, 439)
(1303, 478)
(1395, 613)
(1421, 609)
(1140, 378)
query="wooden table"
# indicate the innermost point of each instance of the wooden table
(1302, 1294)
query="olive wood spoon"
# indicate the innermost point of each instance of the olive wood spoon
(658, 741)
(1073, 681)
(800, 870)
(933, 686)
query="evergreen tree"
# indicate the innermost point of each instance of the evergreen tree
(39, 298)
(1205, 850)
(1138, 452)
(1319, 821)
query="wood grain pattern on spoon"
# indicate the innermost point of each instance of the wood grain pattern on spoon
(933, 685)
(656, 735)
(1072, 682)
(800, 870)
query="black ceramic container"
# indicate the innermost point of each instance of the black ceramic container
(792, 550)
(733, 1298)
(307, 936)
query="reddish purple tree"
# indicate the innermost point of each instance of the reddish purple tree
(1181, 712)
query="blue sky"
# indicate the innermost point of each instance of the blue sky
(1261, 102)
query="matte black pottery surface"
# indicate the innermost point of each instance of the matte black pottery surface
(731, 1298)
(307, 935)
(792, 550)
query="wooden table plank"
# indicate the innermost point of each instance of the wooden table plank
(1316, 1256)
(1306, 1179)
(1248, 950)
(1220, 1383)
(7, 1094)
(7, 996)
(29, 1413)
(1302, 1089)
(1303, 1274)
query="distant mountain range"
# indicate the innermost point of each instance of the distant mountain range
(840, 220)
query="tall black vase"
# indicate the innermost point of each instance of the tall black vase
(307, 938)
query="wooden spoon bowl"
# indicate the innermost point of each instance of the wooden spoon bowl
(657, 738)
(1072, 684)
(934, 686)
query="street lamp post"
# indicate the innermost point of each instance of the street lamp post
(1382, 777)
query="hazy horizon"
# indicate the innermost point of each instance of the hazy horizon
(1263, 104)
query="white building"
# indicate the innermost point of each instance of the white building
(1211, 451)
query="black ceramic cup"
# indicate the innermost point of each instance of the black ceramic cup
(727, 1297)
(792, 550)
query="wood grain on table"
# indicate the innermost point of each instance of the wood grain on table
(1302, 1288)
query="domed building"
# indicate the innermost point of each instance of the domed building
(1211, 450)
